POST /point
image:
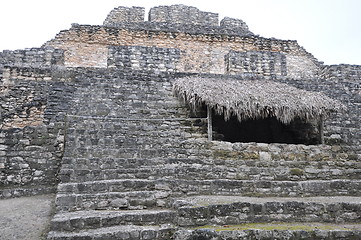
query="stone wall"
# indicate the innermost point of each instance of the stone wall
(256, 62)
(341, 72)
(138, 109)
(175, 18)
(224, 233)
(26, 73)
(86, 46)
(228, 22)
(343, 82)
(32, 130)
(143, 58)
(268, 64)
(301, 67)
(181, 14)
(54, 73)
(79, 54)
(340, 128)
(40, 87)
(33, 57)
(124, 14)
(151, 118)
(126, 129)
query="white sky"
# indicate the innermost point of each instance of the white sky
(329, 29)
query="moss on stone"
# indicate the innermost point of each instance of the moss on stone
(352, 156)
(320, 157)
(250, 155)
(297, 172)
(224, 154)
(290, 156)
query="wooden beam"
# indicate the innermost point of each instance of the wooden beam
(209, 120)
(321, 129)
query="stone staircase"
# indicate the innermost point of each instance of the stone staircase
(137, 167)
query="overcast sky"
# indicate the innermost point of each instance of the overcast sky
(329, 29)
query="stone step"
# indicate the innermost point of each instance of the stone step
(109, 194)
(219, 214)
(79, 220)
(92, 157)
(232, 210)
(111, 200)
(136, 193)
(117, 109)
(131, 139)
(201, 164)
(111, 162)
(280, 231)
(127, 232)
(219, 187)
(147, 152)
(238, 232)
(141, 127)
(81, 173)
(104, 186)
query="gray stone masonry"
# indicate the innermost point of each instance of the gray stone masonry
(36, 58)
(131, 147)
(265, 63)
(124, 14)
(228, 22)
(182, 14)
(30, 156)
(342, 72)
(144, 58)
(232, 210)
(266, 234)
(220, 31)
(342, 127)
(129, 232)
(129, 161)
(32, 57)
(176, 18)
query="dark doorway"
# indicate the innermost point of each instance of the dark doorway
(267, 130)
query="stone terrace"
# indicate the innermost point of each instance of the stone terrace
(136, 166)
(91, 115)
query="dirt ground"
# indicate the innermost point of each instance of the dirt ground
(26, 218)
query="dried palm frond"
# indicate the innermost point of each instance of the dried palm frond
(253, 99)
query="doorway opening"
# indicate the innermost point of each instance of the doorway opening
(266, 130)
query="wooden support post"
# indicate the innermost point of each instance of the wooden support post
(322, 139)
(209, 120)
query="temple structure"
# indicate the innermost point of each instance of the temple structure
(182, 127)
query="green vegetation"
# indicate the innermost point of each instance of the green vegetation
(297, 171)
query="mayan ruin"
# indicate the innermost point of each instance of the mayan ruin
(182, 126)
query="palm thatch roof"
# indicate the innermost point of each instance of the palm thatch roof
(253, 99)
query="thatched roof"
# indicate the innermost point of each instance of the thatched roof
(252, 99)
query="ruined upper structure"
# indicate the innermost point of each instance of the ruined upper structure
(204, 46)
(93, 116)
(173, 15)
(124, 15)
